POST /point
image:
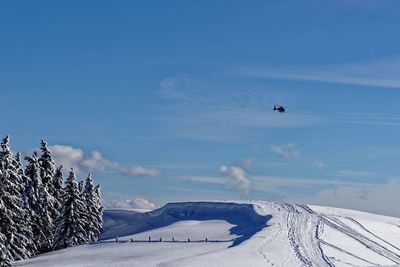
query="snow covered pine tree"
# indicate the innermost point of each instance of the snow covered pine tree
(81, 186)
(37, 213)
(5, 256)
(70, 224)
(58, 186)
(47, 173)
(27, 230)
(99, 207)
(94, 211)
(12, 215)
(41, 205)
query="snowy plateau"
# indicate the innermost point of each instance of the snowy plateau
(238, 234)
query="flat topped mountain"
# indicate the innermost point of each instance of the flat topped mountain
(237, 234)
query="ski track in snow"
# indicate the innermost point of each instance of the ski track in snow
(304, 230)
(245, 234)
(300, 219)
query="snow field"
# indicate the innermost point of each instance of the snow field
(240, 234)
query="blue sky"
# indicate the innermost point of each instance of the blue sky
(172, 100)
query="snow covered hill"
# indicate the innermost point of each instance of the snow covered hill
(237, 234)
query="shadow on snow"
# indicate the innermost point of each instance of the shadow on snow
(246, 221)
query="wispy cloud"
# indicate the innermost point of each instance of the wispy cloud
(354, 174)
(318, 163)
(270, 181)
(202, 110)
(177, 87)
(291, 151)
(239, 178)
(139, 170)
(232, 176)
(376, 198)
(288, 151)
(206, 179)
(136, 203)
(382, 72)
(286, 187)
(248, 162)
(72, 157)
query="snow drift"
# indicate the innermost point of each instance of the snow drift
(246, 221)
(237, 234)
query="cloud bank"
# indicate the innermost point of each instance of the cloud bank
(378, 198)
(136, 203)
(72, 157)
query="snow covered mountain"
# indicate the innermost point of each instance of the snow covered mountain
(237, 234)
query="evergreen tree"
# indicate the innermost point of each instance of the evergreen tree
(47, 174)
(12, 214)
(27, 222)
(94, 214)
(99, 207)
(47, 167)
(58, 183)
(70, 224)
(5, 255)
(20, 171)
(81, 186)
(25, 183)
(29, 201)
(40, 203)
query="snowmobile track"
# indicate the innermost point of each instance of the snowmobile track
(302, 219)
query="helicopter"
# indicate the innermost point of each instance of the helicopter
(279, 108)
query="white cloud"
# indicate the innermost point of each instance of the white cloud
(96, 161)
(354, 174)
(371, 197)
(267, 182)
(139, 170)
(365, 196)
(71, 157)
(177, 87)
(206, 179)
(289, 151)
(382, 72)
(136, 203)
(377, 198)
(239, 178)
(256, 147)
(248, 162)
(318, 163)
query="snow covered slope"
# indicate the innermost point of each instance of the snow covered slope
(238, 234)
